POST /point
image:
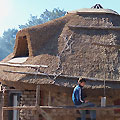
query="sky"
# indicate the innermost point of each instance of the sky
(17, 12)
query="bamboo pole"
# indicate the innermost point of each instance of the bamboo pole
(2, 114)
(94, 27)
(20, 108)
(61, 107)
(63, 76)
(37, 96)
(21, 65)
(37, 101)
(49, 99)
(44, 114)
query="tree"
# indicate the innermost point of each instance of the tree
(9, 39)
(2, 49)
(7, 42)
(45, 17)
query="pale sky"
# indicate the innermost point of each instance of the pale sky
(17, 12)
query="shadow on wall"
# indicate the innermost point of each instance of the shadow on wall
(22, 48)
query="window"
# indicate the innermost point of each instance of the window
(14, 99)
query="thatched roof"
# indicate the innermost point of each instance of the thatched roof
(94, 11)
(74, 45)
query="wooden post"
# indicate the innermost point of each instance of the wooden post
(3, 94)
(49, 99)
(39, 110)
(44, 114)
(37, 104)
(2, 106)
(2, 114)
(37, 96)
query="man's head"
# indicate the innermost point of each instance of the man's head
(81, 81)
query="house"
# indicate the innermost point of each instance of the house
(53, 55)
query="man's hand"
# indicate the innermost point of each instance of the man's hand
(86, 101)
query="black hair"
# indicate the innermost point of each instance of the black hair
(81, 80)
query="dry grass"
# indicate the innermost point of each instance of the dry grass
(69, 51)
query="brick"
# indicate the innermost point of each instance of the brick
(24, 96)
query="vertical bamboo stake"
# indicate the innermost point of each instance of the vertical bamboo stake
(37, 101)
(37, 95)
(49, 99)
(2, 113)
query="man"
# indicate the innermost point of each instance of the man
(78, 100)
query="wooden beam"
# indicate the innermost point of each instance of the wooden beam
(64, 76)
(30, 73)
(21, 65)
(62, 107)
(20, 108)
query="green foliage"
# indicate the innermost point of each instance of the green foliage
(45, 17)
(7, 42)
(8, 39)
(34, 20)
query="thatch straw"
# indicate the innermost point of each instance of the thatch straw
(69, 51)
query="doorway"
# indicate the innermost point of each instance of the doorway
(14, 100)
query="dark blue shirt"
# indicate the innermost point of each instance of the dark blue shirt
(77, 95)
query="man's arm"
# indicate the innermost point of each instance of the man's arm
(80, 96)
